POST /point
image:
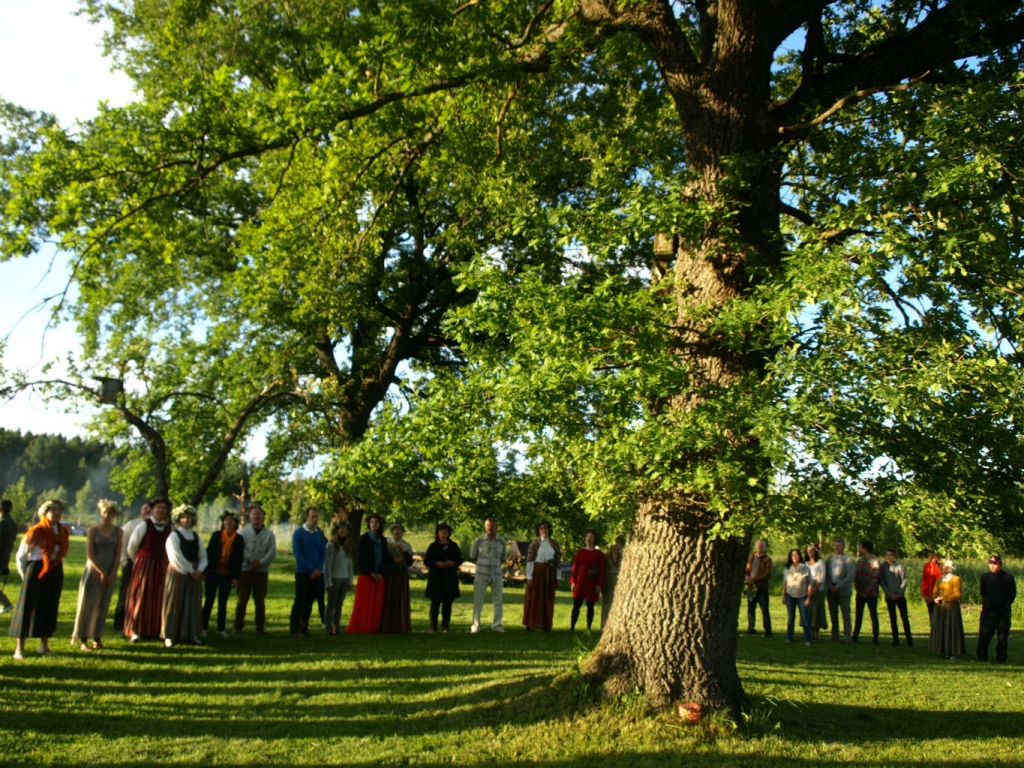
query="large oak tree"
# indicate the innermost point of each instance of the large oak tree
(835, 289)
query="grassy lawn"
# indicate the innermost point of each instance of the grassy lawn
(488, 698)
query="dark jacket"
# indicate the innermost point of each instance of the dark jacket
(443, 583)
(998, 591)
(367, 556)
(213, 555)
(8, 533)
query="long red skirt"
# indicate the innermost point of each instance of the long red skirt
(367, 607)
(146, 598)
(539, 602)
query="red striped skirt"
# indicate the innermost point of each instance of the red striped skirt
(396, 616)
(539, 602)
(146, 598)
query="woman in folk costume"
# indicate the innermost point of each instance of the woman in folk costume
(947, 632)
(183, 592)
(396, 616)
(147, 546)
(369, 601)
(40, 561)
(443, 557)
(103, 543)
(543, 561)
(587, 579)
(224, 556)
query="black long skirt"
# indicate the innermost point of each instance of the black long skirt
(35, 614)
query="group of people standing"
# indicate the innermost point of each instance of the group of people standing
(163, 569)
(810, 584)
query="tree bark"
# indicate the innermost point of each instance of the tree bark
(672, 629)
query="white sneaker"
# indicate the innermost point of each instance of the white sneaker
(498, 628)
(135, 639)
(6, 609)
(222, 633)
(474, 630)
(168, 643)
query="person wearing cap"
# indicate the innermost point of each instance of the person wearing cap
(396, 612)
(309, 547)
(488, 552)
(543, 572)
(337, 573)
(40, 561)
(893, 584)
(8, 535)
(443, 557)
(947, 632)
(259, 552)
(147, 547)
(998, 591)
(183, 593)
(224, 556)
(126, 566)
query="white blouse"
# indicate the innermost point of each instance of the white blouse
(177, 559)
(545, 554)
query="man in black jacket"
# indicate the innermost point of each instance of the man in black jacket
(8, 533)
(998, 591)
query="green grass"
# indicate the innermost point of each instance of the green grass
(488, 698)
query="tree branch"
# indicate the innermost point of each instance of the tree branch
(960, 29)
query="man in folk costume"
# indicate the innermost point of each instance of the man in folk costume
(41, 565)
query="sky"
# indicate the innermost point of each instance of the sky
(50, 60)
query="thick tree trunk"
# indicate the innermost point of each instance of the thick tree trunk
(672, 629)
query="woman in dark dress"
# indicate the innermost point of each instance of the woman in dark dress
(443, 558)
(369, 601)
(41, 565)
(224, 556)
(397, 613)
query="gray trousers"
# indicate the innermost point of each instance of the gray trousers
(496, 581)
(335, 599)
(835, 604)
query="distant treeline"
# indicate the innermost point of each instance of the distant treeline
(35, 467)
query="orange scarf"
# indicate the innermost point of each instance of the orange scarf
(227, 542)
(42, 537)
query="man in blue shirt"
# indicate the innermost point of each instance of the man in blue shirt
(309, 546)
